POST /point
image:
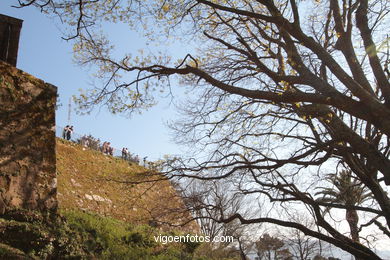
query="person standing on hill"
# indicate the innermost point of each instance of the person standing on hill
(69, 133)
(124, 153)
(110, 149)
(65, 131)
(104, 147)
(145, 160)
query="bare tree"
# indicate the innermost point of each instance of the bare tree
(209, 202)
(272, 248)
(281, 92)
(302, 247)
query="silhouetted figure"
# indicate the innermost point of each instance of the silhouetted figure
(145, 160)
(69, 133)
(65, 131)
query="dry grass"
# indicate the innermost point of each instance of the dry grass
(92, 181)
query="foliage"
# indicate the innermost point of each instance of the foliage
(7, 252)
(82, 235)
(269, 247)
(108, 238)
(215, 252)
(90, 142)
(280, 92)
(347, 191)
(33, 235)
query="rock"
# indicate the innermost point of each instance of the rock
(75, 183)
(97, 198)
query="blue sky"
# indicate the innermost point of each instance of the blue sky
(45, 55)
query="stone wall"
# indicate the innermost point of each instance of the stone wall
(9, 38)
(27, 142)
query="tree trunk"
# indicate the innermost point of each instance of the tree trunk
(353, 219)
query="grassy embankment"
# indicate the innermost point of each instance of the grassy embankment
(94, 182)
(101, 215)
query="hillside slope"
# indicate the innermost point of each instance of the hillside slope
(92, 181)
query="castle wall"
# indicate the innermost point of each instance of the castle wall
(9, 38)
(27, 141)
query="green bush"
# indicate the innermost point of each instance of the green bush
(108, 238)
(74, 234)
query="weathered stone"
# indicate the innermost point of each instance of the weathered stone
(75, 183)
(27, 142)
(9, 38)
(97, 198)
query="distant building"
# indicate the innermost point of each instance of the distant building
(9, 38)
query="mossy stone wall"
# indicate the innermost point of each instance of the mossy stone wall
(27, 142)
